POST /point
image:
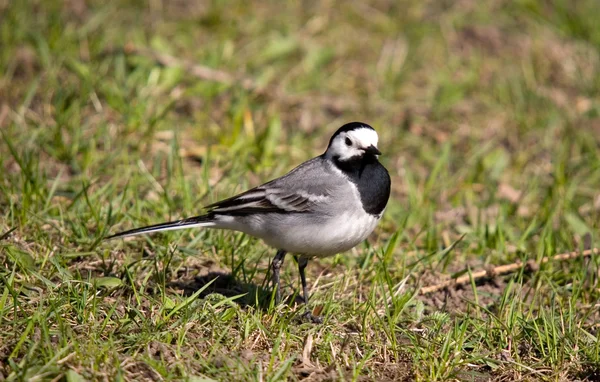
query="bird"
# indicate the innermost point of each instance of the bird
(325, 206)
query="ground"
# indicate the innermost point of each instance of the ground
(120, 114)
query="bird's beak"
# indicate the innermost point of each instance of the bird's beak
(372, 150)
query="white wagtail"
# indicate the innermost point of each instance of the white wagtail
(325, 206)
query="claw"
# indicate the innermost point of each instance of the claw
(309, 317)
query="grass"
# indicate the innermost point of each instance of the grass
(489, 120)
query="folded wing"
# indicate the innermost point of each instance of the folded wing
(267, 199)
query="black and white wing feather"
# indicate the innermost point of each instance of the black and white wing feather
(302, 190)
(266, 200)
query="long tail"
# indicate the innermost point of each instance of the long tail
(196, 221)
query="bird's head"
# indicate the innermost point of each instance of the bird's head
(353, 141)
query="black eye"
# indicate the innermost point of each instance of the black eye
(348, 142)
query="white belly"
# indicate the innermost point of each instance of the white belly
(327, 239)
(324, 237)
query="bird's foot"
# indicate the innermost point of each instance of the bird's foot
(309, 317)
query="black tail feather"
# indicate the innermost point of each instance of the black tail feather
(178, 224)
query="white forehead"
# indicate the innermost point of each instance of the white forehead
(364, 137)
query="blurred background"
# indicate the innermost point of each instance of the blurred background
(124, 113)
(484, 109)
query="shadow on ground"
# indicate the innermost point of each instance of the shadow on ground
(226, 284)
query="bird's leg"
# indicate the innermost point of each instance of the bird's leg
(276, 266)
(302, 263)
